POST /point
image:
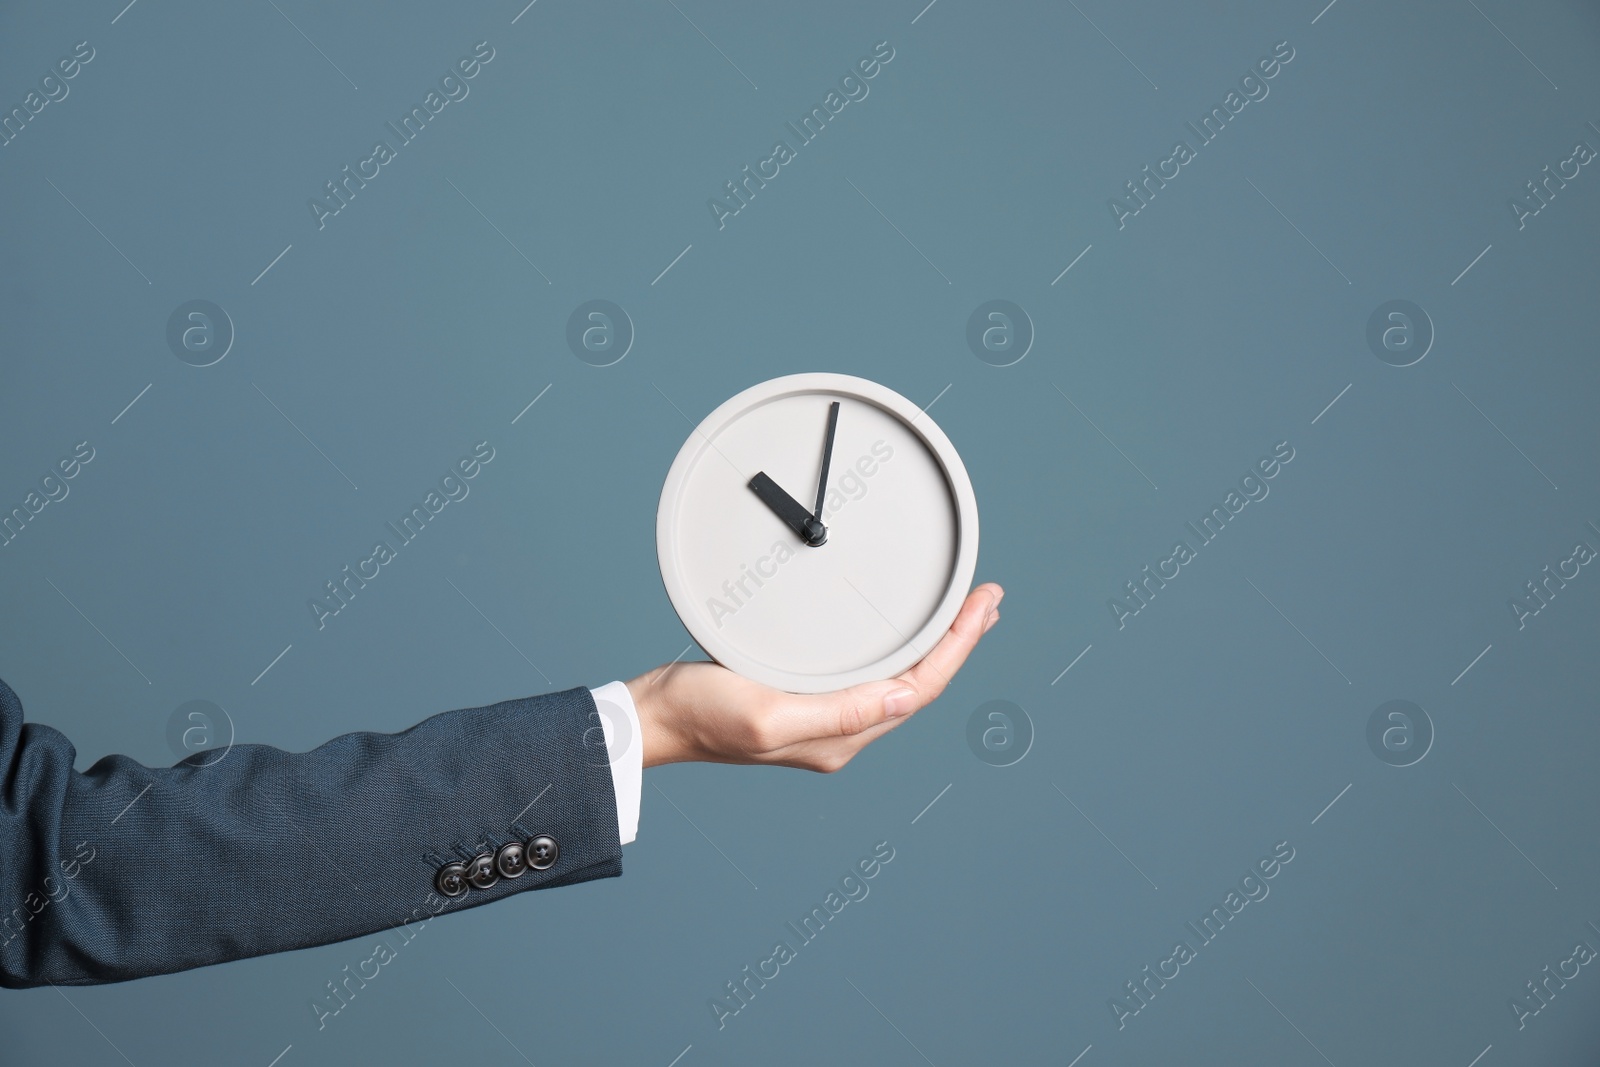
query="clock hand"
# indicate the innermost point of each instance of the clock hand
(827, 457)
(793, 513)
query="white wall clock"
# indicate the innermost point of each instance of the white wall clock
(817, 531)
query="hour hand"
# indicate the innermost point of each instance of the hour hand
(806, 526)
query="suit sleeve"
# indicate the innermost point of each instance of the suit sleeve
(124, 870)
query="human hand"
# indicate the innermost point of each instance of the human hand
(704, 712)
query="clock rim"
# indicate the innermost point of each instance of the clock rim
(921, 425)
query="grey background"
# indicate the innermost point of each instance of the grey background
(1219, 321)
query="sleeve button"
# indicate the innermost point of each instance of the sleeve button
(543, 852)
(512, 860)
(481, 873)
(451, 881)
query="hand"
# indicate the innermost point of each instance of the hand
(706, 713)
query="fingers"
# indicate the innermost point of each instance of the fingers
(928, 678)
(862, 713)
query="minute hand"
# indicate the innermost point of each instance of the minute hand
(827, 457)
(794, 515)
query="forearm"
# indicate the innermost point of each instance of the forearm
(266, 850)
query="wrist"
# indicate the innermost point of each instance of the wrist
(658, 743)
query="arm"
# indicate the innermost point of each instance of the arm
(125, 870)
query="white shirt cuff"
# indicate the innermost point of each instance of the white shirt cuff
(619, 718)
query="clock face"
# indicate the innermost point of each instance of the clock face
(737, 522)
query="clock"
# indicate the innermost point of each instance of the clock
(817, 531)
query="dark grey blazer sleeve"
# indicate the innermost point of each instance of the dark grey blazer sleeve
(125, 870)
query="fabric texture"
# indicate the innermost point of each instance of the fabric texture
(124, 870)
